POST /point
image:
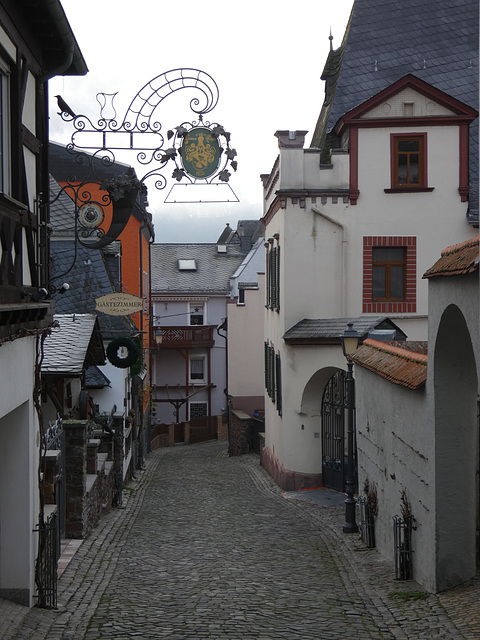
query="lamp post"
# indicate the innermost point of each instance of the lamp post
(350, 340)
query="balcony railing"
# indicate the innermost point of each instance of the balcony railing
(184, 337)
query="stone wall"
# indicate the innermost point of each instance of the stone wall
(89, 478)
(239, 432)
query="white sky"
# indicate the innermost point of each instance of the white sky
(265, 56)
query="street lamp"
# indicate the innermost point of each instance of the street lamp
(350, 340)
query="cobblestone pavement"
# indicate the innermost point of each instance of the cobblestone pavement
(207, 548)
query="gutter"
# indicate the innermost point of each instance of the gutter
(71, 61)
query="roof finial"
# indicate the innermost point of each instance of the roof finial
(330, 37)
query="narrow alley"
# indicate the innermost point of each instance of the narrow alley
(208, 547)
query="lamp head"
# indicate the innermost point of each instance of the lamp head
(350, 339)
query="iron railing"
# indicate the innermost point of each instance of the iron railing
(367, 523)
(402, 535)
(47, 563)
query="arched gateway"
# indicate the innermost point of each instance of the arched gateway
(334, 449)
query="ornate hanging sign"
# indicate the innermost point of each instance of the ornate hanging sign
(200, 153)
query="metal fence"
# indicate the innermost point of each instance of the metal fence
(402, 534)
(367, 523)
(47, 560)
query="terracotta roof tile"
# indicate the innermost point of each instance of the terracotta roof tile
(459, 259)
(396, 364)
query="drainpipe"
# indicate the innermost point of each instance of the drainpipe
(224, 326)
(344, 255)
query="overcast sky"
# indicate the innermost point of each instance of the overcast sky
(265, 56)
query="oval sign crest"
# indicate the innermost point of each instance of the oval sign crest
(200, 152)
(119, 304)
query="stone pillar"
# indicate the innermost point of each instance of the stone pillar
(75, 476)
(239, 432)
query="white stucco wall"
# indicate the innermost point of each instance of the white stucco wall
(453, 380)
(321, 244)
(396, 452)
(246, 344)
(19, 441)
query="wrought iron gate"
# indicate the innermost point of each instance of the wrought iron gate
(47, 560)
(334, 407)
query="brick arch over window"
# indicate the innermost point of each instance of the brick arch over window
(408, 303)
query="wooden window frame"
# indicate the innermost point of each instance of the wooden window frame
(387, 264)
(203, 379)
(409, 304)
(422, 184)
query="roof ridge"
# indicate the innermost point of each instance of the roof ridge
(405, 354)
(470, 242)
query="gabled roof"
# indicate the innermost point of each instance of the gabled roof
(325, 331)
(458, 108)
(396, 364)
(435, 41)
(73, 345)
(459, 259)
(212, 273)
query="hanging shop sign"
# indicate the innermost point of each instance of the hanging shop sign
(200, 152)
(119, 304)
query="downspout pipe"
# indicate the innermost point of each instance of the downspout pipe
(224, 326)
(325, 216)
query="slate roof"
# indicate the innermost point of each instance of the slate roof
(212, 275)
(330, 330)
(246, 276)
(384, 41)
(95, 379)
(89, 279)
(398, 365)
(459, 259)
(64, 165)
(246, 234)
(72, 345)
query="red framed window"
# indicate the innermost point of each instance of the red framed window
(409, 161)
(389, 274)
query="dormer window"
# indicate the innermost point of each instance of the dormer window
(187, 265)
(408, 163)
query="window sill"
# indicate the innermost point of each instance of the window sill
(410, 190)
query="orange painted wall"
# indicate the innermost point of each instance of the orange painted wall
(135, 263)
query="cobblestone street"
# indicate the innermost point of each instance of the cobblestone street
(207, 547)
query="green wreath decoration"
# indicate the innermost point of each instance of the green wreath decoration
(130, 358)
